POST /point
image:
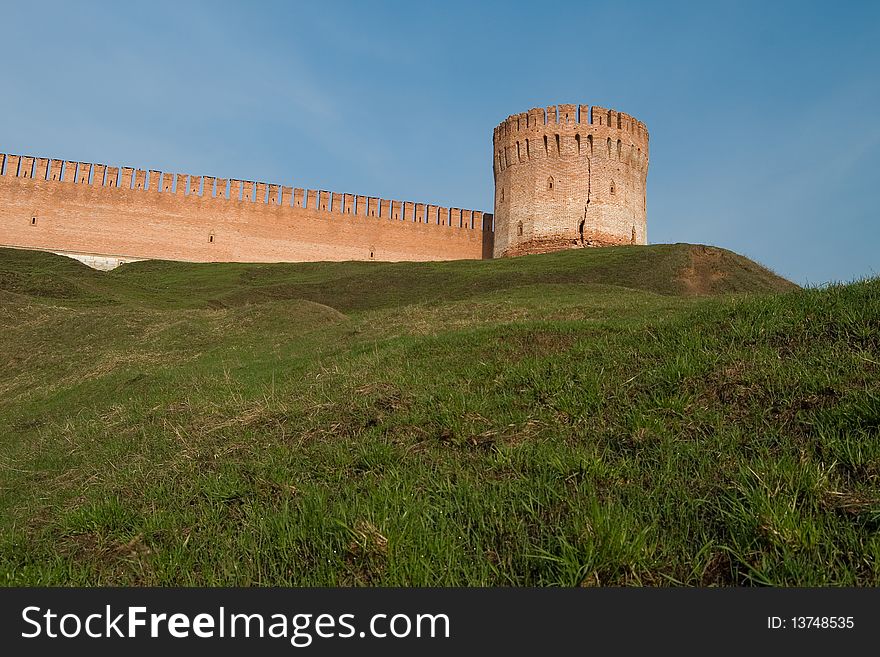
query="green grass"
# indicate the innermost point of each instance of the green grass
(580, 418)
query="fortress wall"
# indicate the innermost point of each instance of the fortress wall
(559, 166)
(83, 208)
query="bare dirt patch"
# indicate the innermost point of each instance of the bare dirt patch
(705, 271)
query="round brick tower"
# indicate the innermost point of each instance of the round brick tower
(569, 177)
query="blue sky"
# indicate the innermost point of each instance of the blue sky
(764, 116)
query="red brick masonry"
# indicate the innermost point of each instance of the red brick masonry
(92, 208)
(568, 176)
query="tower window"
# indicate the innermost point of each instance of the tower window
(519, 229)
(550, 183)
(612, 188)
(33, 221)
(211, 239)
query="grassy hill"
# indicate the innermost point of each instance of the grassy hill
(661, 415)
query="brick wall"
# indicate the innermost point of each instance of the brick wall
(90, 208)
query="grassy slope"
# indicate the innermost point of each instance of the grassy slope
(573, 418)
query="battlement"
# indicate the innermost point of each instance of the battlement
(570, 115)
(570, 130)
(204, 188)
(566, 121)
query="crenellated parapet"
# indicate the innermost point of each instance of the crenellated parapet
(560, 130)
(235, 192)
(569, 176)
